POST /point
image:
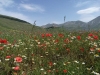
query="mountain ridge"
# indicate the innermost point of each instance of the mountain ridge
(13, 18)
(8, 22)
(94, 24)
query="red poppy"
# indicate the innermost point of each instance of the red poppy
(43, 35)
(95, 37)
(66, 40)
(99, 51)
(60, 35)
(82, 49)
(4, 41)
(43, 45)
(18, 59)
(68, 50)
(32, 54)
(1, 48)
(49, 70)
(92, 49)
(57, 49)
(79, 37)
(56, 41)
(90, 34)
(8, 57)
(48, 35)
(50, 64)
(16, 68)
(65, 71)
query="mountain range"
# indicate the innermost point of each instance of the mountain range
(8, 22)
(78, 25)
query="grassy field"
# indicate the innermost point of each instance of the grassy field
(49, 53)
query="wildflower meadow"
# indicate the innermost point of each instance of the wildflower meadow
(49, 53)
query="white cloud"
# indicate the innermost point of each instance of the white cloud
(6, 3)
(79, 4)
(89, 10)
(32, 7)
(6, 7)
(87, 3)
(92, 9)
(88, 13)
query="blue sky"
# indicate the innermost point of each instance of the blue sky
(51, 11)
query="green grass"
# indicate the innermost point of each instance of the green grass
(7, 22)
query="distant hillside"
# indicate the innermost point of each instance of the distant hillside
(7, 22)
(74, 25)
(78, 25)
(50, 25)
(13, 18)
(70, 25)
(95, 23)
